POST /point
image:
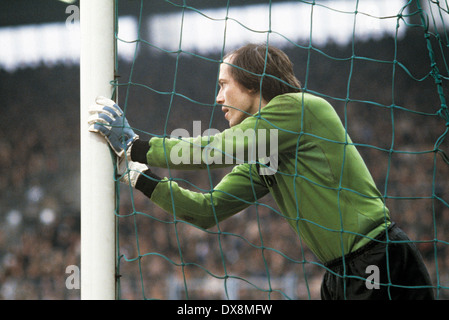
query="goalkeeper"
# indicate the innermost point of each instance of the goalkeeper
(315, 174)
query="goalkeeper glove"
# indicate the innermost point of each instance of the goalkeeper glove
(129, 171)
(107, 119)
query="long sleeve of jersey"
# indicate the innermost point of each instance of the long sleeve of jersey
(239, 189)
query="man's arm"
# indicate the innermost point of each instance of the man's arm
(236, 191)
(247, 143)
(275, 130)
(256, 138)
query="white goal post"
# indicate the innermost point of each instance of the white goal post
(97, 64)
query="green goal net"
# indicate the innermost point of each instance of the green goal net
(383, 65)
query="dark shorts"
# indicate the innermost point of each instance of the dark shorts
(381, 270)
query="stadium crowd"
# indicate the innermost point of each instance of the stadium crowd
(161, 259)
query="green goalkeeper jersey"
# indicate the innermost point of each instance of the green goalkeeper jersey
(316, 175)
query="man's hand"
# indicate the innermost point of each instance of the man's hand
(107, 119)
(128, 171)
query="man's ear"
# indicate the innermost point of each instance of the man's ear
(254, 91)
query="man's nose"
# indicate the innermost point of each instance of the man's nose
(219, 99)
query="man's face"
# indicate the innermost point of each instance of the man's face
(237, 102)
